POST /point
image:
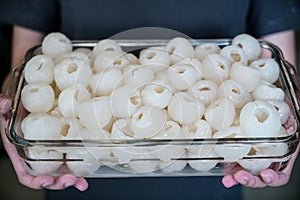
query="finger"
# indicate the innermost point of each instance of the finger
(245, 178)
(232, 167)
(69, 180)
(5, 104)
(24, 178)
(38, 182)
(63, 182)
(274, 179)
(19, 167)
(81, 184)
(229, 181)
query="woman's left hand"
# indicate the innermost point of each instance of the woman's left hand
(267, 177)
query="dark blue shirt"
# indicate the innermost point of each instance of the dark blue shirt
(97, 19)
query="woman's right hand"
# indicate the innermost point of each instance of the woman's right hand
(34, 182)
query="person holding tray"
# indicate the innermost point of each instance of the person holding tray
(274, 21)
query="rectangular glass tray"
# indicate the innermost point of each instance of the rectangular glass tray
(51, 156)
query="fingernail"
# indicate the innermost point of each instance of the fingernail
(68, 184)
(267, 178)
(80, 188)
(243, 181)
(45, 185)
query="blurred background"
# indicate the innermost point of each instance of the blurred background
(10, 189)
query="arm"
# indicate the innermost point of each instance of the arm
(22, 40)
(268, 177)
(286, 42)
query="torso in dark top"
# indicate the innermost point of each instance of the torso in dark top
(96, 19)
(197, 19)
